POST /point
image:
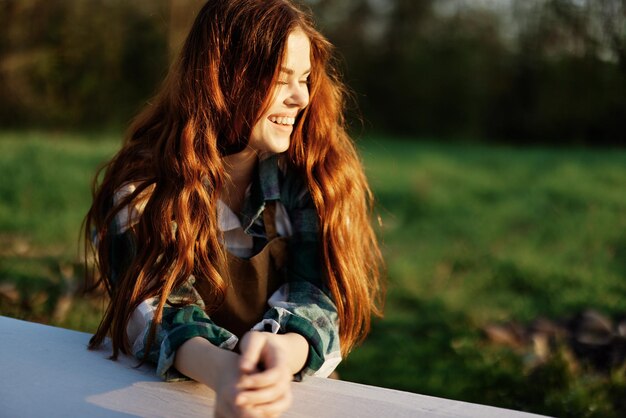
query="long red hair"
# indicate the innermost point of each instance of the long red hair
(173, 153)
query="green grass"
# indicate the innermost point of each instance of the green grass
(474, 235)
(509, 228)
(45, 190)
(44, 196)
(471, 235)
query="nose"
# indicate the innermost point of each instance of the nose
(298, 95)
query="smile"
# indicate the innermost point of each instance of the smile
(282, 120)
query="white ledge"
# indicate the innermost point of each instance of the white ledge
(48, 371)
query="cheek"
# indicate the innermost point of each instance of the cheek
(276, 96)
(257, 131)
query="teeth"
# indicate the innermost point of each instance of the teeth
(283, 120)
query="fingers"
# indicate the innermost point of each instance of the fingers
(227, 407)
(276, 407)
(268, 393)
(264, 379)
(252, 346)
(248, 393)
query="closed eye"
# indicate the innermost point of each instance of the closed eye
(289, 72)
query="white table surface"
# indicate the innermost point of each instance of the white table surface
(48, 372)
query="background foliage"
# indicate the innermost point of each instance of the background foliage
(520, 71)
(493, 146)
(473, 236)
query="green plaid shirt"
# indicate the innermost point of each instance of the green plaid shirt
(301, 305)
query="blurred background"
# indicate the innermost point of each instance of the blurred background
(494, 137)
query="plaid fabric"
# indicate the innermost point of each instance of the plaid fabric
(302, 308)
(302, 305)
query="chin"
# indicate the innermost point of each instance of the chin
(270, 139)
(277, 145)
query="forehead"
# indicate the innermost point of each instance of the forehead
(297, 52)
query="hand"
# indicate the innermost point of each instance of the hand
(242, 389)
(265, 382)
(226, 391)
(218, 369)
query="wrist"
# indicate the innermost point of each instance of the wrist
(202, 361)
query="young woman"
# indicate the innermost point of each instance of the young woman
(232, 230)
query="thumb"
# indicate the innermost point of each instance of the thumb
(252, 346)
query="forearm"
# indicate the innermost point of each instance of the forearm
(202, 361)
(297, 349)
(304, 309)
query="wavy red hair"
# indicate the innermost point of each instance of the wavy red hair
(205, 109)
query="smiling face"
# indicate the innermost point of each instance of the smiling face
(272, 131)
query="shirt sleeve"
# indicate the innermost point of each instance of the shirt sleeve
(303, 304)
(178, 324)
(304, 309)
(183, 315)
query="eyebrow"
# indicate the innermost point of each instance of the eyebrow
(289, 71)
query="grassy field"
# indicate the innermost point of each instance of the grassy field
(472, 236)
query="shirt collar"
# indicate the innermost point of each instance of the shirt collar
(265, 187)
(226, 218)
